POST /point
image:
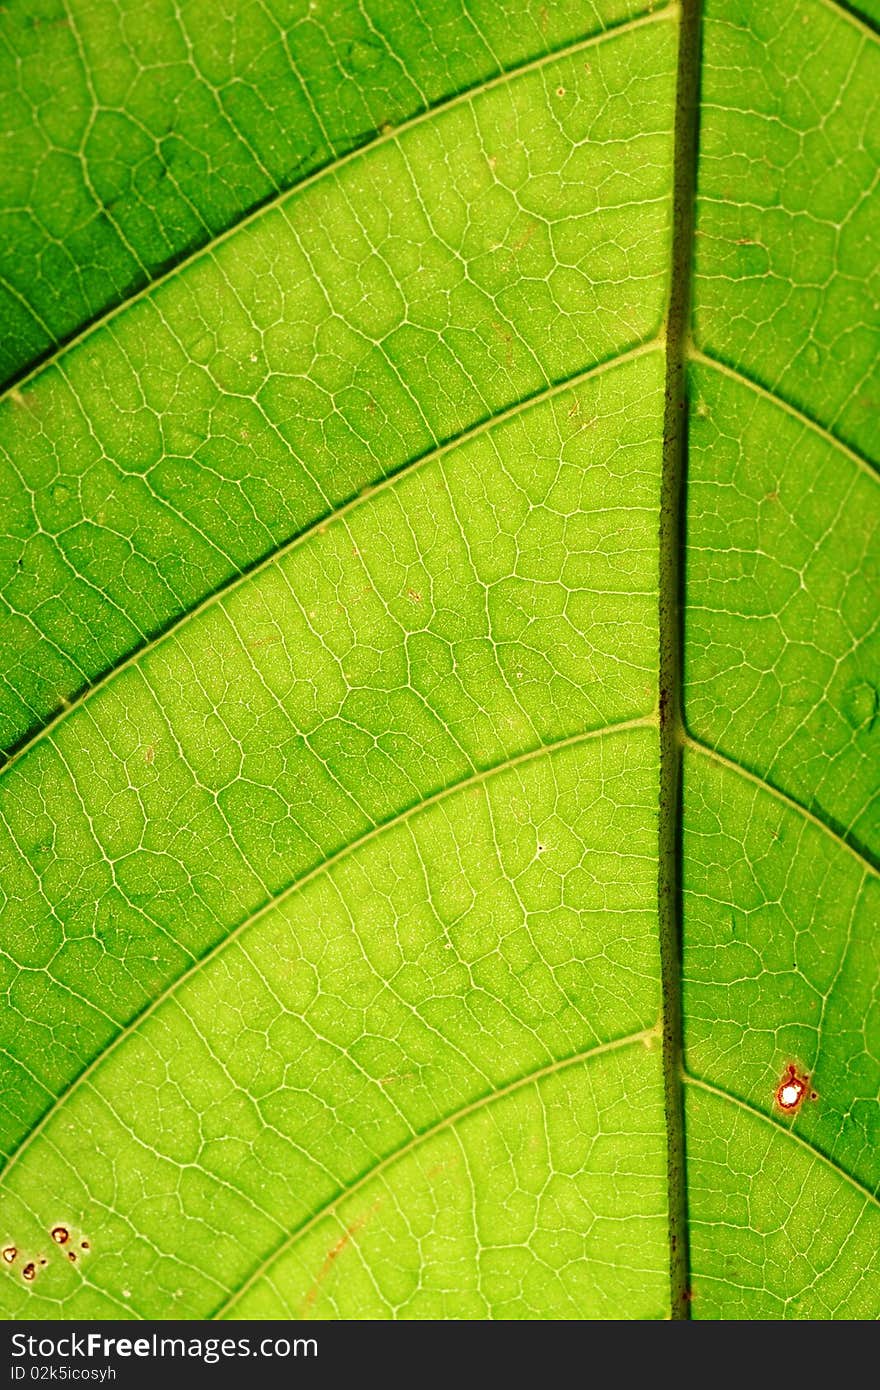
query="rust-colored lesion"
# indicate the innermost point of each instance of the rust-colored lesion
(30, 1265)
(348, 1237)
(793, 1088)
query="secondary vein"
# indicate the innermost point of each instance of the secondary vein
(242, 576)
(645, 1037)
(787, 1131)
(725, 369)
(283, 894)
(866, 861)
(861, 21)
(281, 195)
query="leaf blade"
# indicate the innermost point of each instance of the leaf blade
(334, 979)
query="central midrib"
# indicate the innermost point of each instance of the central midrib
(671, 728)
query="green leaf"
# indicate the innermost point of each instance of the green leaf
(439, 660)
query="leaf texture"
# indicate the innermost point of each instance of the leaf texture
(336, 634)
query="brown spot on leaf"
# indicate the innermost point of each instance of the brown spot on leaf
(348, 1235)
(792, 1090)
(520, 244)
(506, 337)
(9, 1254)
(29, 1272)
(60, 1235)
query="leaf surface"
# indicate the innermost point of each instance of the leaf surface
(359, 956)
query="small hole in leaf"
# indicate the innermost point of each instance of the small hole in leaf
(9, 1254)
(791, 1090)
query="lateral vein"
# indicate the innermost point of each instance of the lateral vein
(278, 553)
(862, 857)
(333, 166)
(792, 1134)
(724, 369)
(448, 1122)
(324, 866)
